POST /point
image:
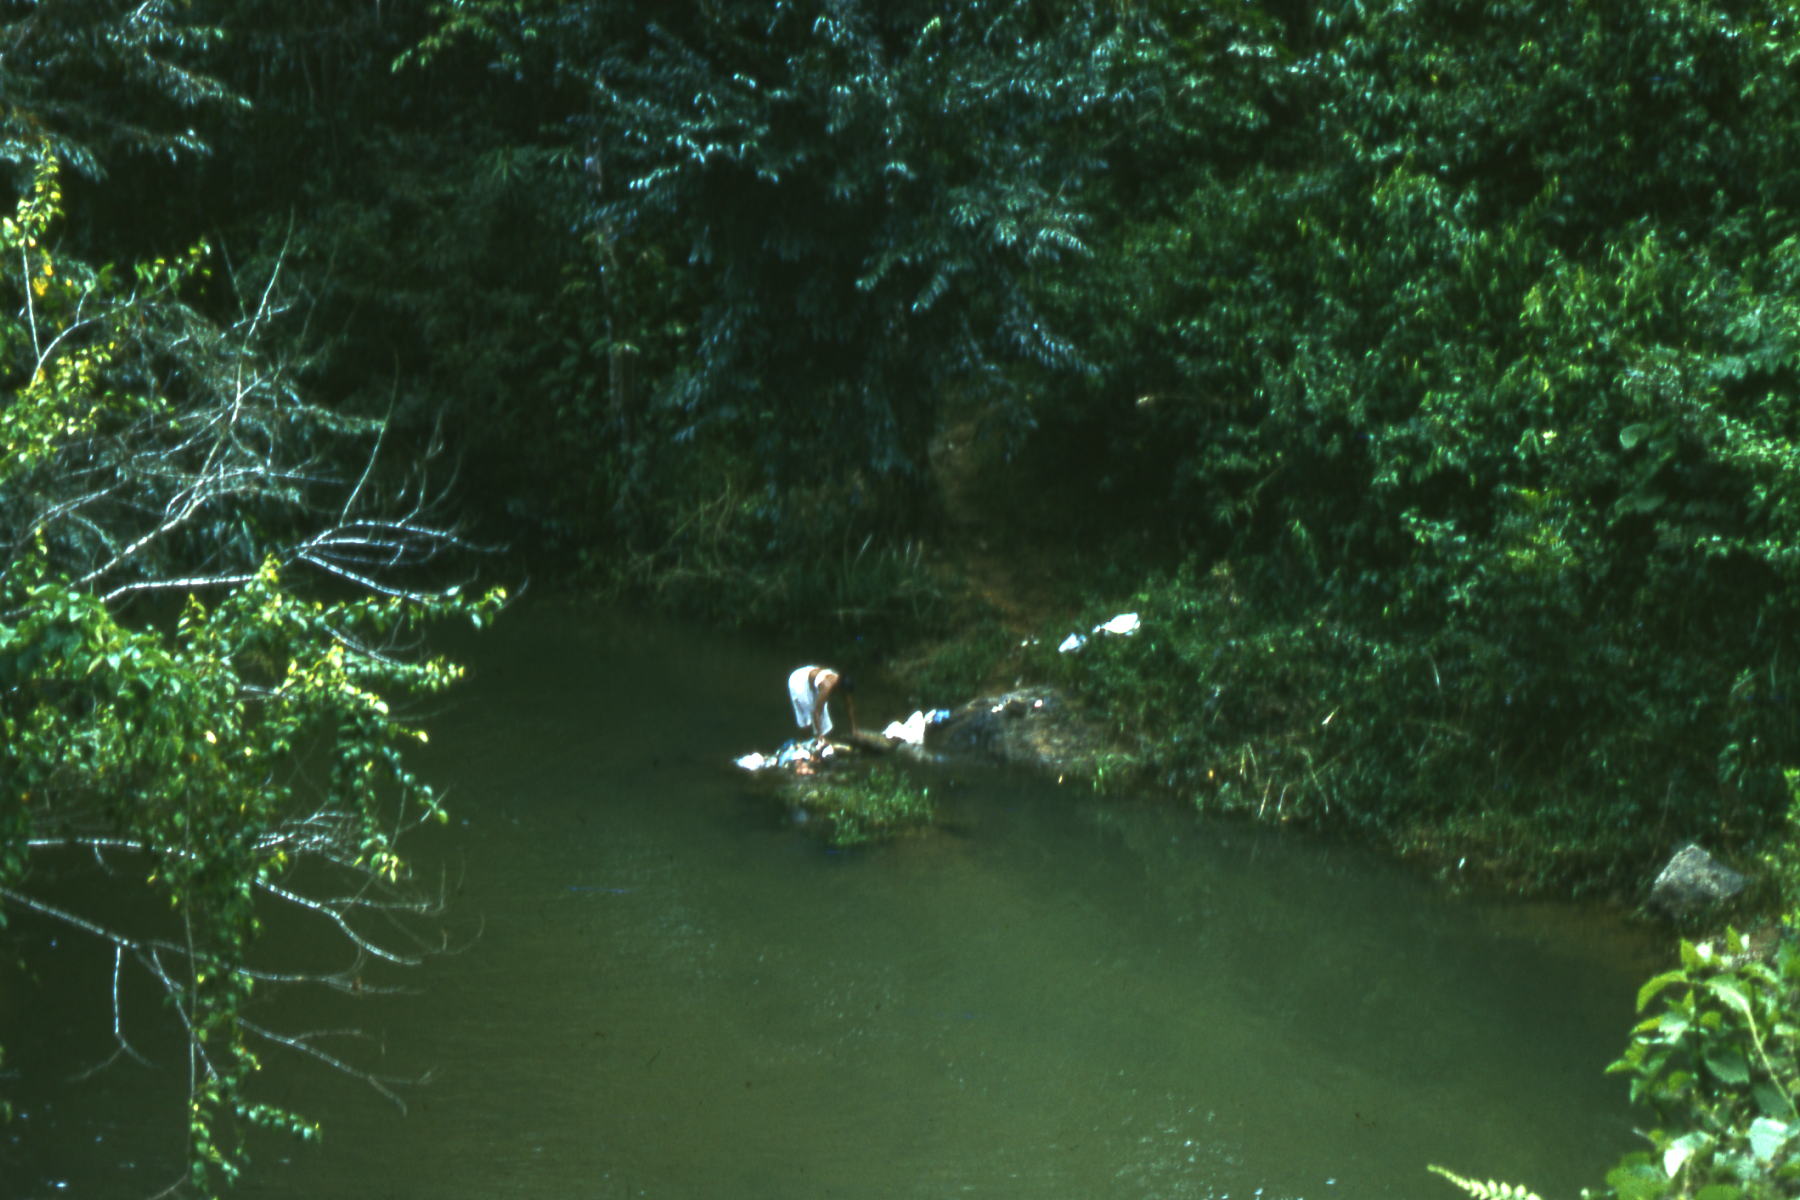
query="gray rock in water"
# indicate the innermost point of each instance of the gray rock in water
(1030, 726)
(1693, 882)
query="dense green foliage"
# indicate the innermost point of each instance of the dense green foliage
(235, 748)
(101, 78)
(1480, 378)
(1423, 372)
(1720, 1065)
(811, 232)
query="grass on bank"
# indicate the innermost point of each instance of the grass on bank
(1434, 745)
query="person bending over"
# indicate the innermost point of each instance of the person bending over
(811, 690)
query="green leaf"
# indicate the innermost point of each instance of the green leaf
(1694, 955)
(1732, 993)
(1636, 1178)
(1728, 1063)
(1768, 1136)
(1770, 1099)
(1657, 983)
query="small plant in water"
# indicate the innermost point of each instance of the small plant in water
(1489, 1190)
(867, 807)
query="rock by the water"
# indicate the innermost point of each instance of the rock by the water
(1694, 881)
(1033, 727)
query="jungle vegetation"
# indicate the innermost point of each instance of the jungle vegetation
(1424, 372)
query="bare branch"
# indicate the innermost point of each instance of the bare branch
(190, 583)
(337, 918)
(147, 952)
(303, 1043)
(68, 918)
(121, 1045)
(233, 439)
(317, 842)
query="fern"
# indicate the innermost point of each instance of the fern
(1489, 1190)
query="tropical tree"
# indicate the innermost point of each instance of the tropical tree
(242, 747)
(1477, 371)
(183, 710)
(815, 237)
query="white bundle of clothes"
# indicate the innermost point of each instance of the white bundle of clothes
(1123, 625)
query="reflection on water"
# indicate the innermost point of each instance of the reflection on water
(672, 995)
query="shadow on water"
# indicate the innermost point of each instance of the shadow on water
(673, 994)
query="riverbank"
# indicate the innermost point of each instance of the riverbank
(1291, 718)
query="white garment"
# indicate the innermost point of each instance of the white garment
(911, 731)
(803, 689)
(1124, 624)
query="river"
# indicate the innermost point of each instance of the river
(659, 987)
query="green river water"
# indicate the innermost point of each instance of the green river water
(661, 988)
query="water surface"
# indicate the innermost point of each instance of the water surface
(663, 989)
